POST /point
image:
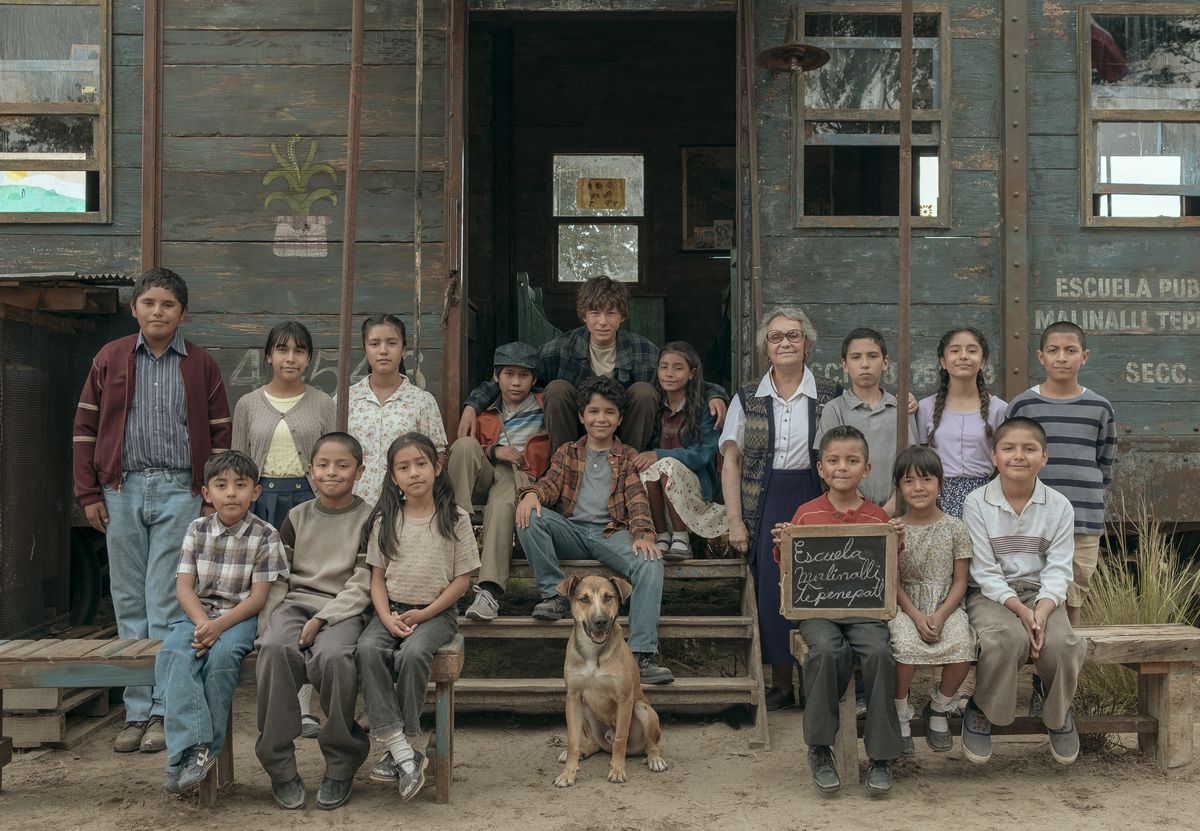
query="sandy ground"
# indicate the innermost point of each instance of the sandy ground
(505, 767)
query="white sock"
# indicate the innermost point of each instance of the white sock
(904, 713)
(304, 696)
(940, 705)
(679, 535)
(397, 744)
(662, 539)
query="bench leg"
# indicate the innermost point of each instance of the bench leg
(1166, 694)
(845, 748)
(222, 773)
(444, 741)
(5, 743)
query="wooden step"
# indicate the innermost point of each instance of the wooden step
(546, 694)
(700, 626)
(682, 570)
(79, 709)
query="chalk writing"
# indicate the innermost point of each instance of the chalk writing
(838, 571)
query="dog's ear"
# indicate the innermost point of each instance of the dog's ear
(567, 587)
(623, 588)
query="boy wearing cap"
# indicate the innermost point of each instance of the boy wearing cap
(513, 449)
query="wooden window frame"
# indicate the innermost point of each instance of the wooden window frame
(556, 282)
(1089, 117)
(101, 109)
(939, 116)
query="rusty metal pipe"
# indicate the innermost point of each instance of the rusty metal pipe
(350, 213)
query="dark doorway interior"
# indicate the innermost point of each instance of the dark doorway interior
(580, 84)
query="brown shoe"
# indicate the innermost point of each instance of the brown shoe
(154, 739)
(130, 737)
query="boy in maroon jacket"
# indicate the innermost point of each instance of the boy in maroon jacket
(153, 409)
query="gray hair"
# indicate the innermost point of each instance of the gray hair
(791, 313)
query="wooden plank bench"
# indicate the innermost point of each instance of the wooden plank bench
(1162, 655)
(130, 663)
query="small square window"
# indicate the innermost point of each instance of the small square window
(590, 250)
(598, 202)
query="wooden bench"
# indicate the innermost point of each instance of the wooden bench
(130, 663)
(1162, 655)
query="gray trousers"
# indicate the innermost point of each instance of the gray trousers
(395, 671)
(832, 646)
(329, 666)
(1004, 649)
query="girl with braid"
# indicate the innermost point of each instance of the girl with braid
(959, 419)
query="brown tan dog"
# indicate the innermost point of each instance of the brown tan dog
(606, 708)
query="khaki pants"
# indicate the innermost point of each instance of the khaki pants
(1004, 649)
(1083, 566)
(637, 422)
(476, 478)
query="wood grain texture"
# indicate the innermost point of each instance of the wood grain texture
(253, 154)
(190, 46)
(250, 15)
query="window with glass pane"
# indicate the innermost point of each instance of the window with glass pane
(847, 150)
(599, 207)
(54, 79)
(1142, 96)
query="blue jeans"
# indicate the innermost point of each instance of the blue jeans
(552, 537)
(198, 691)
(147, 519)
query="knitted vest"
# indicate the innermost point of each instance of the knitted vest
(758, 442)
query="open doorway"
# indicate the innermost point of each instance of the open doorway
(600, 144)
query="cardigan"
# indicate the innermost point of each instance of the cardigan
(255, 420)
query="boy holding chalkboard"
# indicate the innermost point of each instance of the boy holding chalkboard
(843, 462)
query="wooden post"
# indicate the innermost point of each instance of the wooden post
(350, 208)
(1167, 696)
(754, 360)
(905, 224)
(418, 191)
(151, 230)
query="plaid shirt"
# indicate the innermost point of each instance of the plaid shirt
(566, 358)
(227, 560)
(628, 505)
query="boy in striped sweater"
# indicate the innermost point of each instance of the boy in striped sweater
(1021, 540)
(1081, 441)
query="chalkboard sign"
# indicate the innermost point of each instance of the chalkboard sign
(837, 571)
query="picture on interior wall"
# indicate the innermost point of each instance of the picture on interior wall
(709, 200)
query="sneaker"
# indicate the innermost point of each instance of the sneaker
(385, 769)
(777, 699)
(679, 550)
(130, 737)
(154, 739)
(290, 795)
(552, 608)
(860, 706)
(310, 726)
(650, 672)
(333, 793)
(171, 783)
(1037, 698)
(879, 777)
(412, 776)
(907, 748)
(938, 740)
(824, 774)
(197, 762)
(485, 607)
(1064, 742)
(976, 736)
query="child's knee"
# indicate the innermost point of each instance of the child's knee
(464, 446)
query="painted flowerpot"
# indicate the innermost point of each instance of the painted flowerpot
(301, 236)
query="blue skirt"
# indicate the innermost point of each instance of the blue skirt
(279, 495)
(786, 490)
(954, 493)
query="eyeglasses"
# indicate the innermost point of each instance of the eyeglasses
(794, 336)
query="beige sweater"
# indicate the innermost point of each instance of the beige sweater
(255, 420)
(328, 573)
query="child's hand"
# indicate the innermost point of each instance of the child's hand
(309, 633)
(396, 626)
(739, 536)
(644, 459)
(412, 617)
(97, 516)
(912, 403)
(928, 628)
(1041, 614)
(208, 631)
(646, 550)
(525, 508)
(777, 532)
(1027, 620)
(717, 407)
(504, 453)
(898, 524)
(466, 423)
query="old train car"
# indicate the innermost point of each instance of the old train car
(1056, 175)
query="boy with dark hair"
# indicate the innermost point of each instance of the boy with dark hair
(1021, 535)
(1081, 446)
(591, 504)
(152, 410)
(227, 563)
(869, 408)
(511, 451)
(599, 347)
(833, 644)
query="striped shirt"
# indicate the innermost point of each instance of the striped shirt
(156, 429)
(227, 560)
(518, 426)
(1081, 438)
(1036, 546)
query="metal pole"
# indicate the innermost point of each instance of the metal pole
(419, 193)
(904, 288)
(350, 212)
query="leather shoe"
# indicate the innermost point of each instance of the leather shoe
(777, 699)
(333, 793)
(290, 795)
(879, 778)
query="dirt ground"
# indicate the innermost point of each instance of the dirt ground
(505, 767)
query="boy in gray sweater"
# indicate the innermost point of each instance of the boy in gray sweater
(313, 621)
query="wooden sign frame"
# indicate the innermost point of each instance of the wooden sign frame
(886, 611)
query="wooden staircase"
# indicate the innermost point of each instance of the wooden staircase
(685, 694)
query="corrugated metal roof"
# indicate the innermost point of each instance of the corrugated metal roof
(110, 278)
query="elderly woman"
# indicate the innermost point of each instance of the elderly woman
(770, 469)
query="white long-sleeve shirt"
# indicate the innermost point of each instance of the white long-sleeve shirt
(1035, 546)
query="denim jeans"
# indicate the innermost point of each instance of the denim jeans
(552, 537)
(198, 691)
(147, 518)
